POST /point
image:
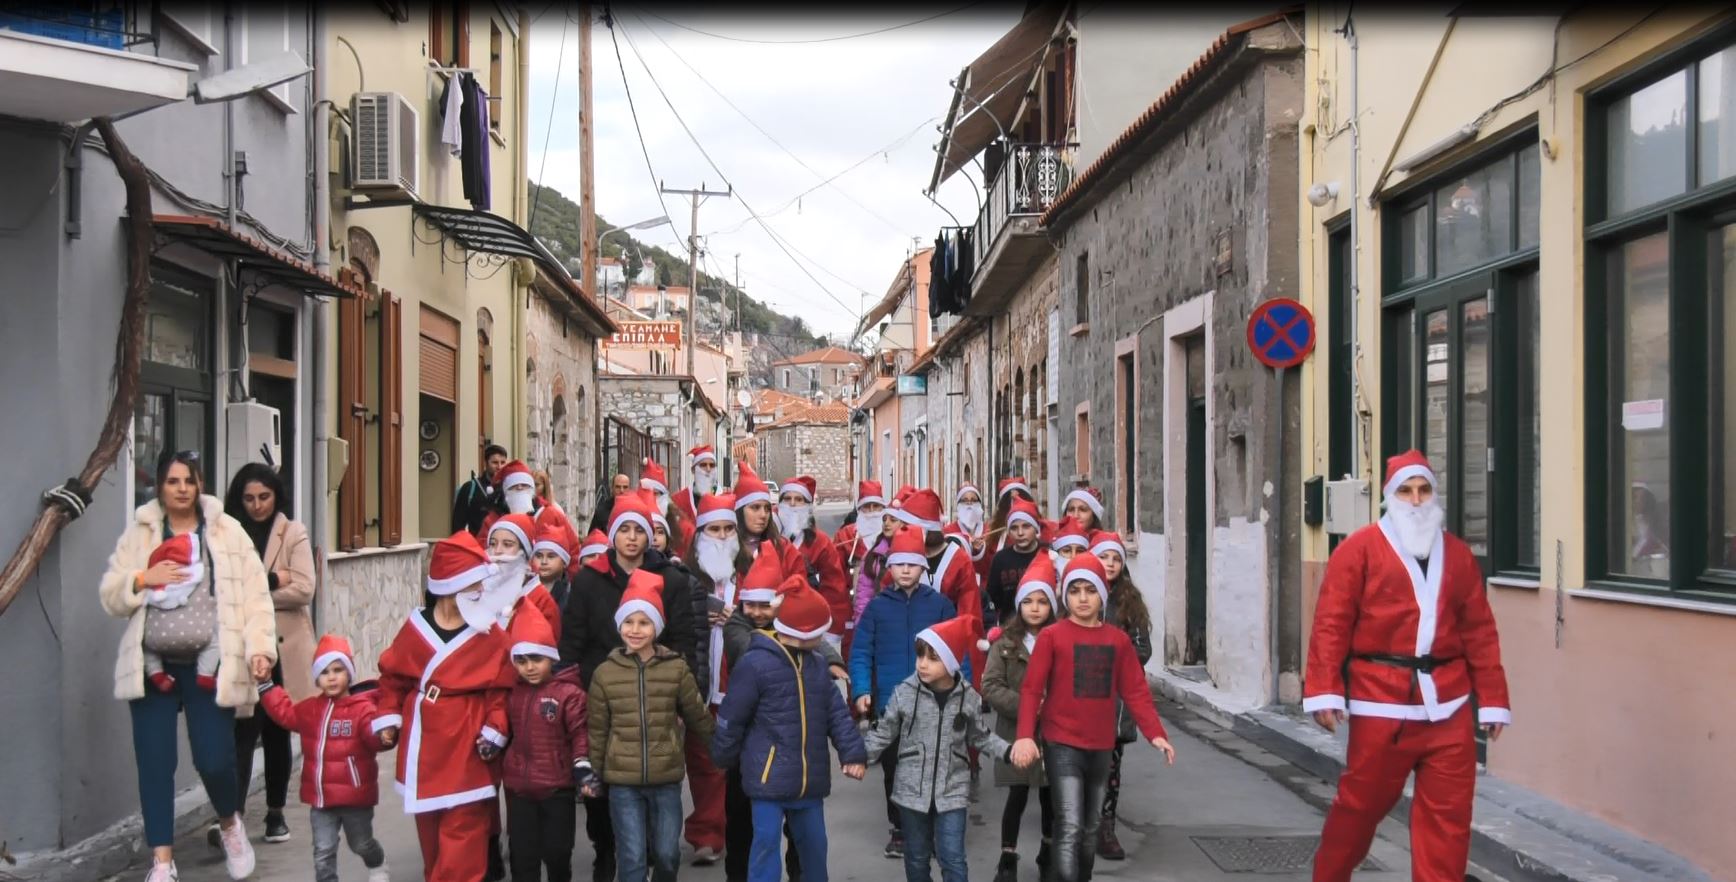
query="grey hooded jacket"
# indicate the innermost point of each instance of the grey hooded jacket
(933, 769)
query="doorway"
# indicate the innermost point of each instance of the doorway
(1195, 526)
(436, 470)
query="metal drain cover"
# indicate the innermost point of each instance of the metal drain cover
(1265, 854)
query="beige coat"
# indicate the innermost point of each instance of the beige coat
(245, 624)
(289, 554)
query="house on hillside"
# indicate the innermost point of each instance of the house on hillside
(827, 372)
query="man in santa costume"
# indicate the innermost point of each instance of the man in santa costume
(714, 551)
(870, 508)
(796, 518)
(949, 566)
(443, 687)
(704, 483)
(1403, 636)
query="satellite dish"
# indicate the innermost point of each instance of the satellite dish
(744, 398)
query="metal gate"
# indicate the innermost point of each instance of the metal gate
(625, 448)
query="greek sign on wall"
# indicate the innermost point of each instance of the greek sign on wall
(646, 335)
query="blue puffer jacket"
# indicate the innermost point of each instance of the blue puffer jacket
(774, 722)
(884, 651)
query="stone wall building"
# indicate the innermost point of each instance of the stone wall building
(561, 414)
(813, 441)
(1167, 243)
(654, 405)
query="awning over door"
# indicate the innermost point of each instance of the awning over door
(988, 91)
(256, 262)
(483, 232)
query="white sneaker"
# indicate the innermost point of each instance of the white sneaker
(162, 871)
(237, 851)
(705, 857)
(380, 874)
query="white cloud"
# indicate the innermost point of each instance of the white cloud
(831, 104)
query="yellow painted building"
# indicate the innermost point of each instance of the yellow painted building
(1518, 240)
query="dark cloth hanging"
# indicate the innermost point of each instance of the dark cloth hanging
(472, 127)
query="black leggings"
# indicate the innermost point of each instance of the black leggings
(1013, 816)
(253, 730)
(1112, 788)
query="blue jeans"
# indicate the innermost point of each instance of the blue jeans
(646, 820)
(1077, 778)
(210, 734)
(807, 820)
(933, 833)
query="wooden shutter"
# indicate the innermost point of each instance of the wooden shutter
(437, 356)
(391, 419)
(352, 421)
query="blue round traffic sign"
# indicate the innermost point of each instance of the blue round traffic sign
(1281, 333)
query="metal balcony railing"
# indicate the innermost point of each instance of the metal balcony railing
(110, 24)
(1029, 182)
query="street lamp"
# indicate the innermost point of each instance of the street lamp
(642, 225)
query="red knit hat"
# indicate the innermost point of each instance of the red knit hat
(515, 474)
(554, 537)
(1068, 534)
(651, 477)
(715, 508)
(629, 508)
(1024, 510)
(804, 614)
(703, 453)
(802, 484)
(644, 594)
(921, 508)
(535, 635)
(596, 542)
(332, 648)
(1087, 568)
(519, 526)
(1011, 483)
(760, 585)
(870, 492)
(456, 563)
(951, 639)
(1405, 466)
(909, 546)
(749, 489)
(183, 550)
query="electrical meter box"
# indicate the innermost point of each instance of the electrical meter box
(255, 434)
(1347, 508)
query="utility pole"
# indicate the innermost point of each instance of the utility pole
(695, 196)
(588, 256)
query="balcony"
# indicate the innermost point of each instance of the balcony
(68, 63)
(1006, 242)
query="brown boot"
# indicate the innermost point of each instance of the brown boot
(1108, 847)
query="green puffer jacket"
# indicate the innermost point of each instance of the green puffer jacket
(1003, 676)
(634, 706)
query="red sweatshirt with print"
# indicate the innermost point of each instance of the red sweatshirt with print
(1075, 676)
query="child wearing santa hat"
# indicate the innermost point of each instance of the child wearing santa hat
(551, 558)
(1125, 610)
(548, 761)
(1079, 667)
(596, 543)
(933, 712)
(780, 695)
(187, 552)
(1008, 659)
(638, 695)
(339, 776)
(1024, 526)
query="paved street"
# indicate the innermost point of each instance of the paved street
(1219, 787)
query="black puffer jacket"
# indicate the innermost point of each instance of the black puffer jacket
(588, 630)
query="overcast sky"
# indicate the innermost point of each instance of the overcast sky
(832, 104)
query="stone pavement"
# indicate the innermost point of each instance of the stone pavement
(1221, 786)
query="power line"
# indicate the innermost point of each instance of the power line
(713, 163)
(835, 39)
(549, 128)
(633, 110)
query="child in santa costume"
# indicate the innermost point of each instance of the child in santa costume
(971, 521)
(1084, 506)
(1126, 610)
(949, 568)
(1010, 489)
(1068, 540)
(186, 552)
(509, 547)
(677, 524)
(1403, 605)
(796, 517)
(443, 685)
(713, 555)
(596, 544)
(1079, 668)
(339, 776)
(551, 557)
(548, 762)
(874, 531)
(854, 538)
(932, 714)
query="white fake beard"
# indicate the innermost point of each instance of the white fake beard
(481, 608)
(520, 499)
(704, 482)
(970, 516)
(794, 519)
(868, 526)
(1417, 526)
(717, 556)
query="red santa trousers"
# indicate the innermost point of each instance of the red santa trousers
(705, 783)
(1383, 753)
(455, 842)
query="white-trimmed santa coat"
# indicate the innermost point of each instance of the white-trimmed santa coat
(443, 696)
(1376, 600)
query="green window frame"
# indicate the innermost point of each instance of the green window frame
(175, 410)
(1660, 272)
(1458, 321)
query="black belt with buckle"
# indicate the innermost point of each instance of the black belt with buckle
(1422, 664)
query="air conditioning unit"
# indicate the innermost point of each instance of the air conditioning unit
(255, 434)
(387, 143)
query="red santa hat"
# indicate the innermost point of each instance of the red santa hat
(1039, 577)
(652, 477)
(1090, 496)
(629, 508)
(1087, 568)
(516, 474)
(535, 635)
(1011, 483)
(1107, 540)
(644, 594)
(760, 585)
(1405, 466)
(920, 509)
(966, 487)
(909, 546)
(332, 648)
(951, 639)
(519, 526)
(649, 499)
(898, 499)
(804, 614)
(183, 551)
(870, 492)
(554, 538)
(1026, 511)
(802, 484)
(703, 453)
(1068, 534)
(715, 508)
(749, 489)
(456, 563)
(595, 543)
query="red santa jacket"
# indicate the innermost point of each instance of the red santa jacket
(821, 555)
(1376, 600)
(444, 696)
(956, 577)
(684, 500)
(549, 733)
(851, 549)
(338, 743)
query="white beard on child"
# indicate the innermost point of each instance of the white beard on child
(483, 606)
(1417, 526)
(794, 519)
(970, 517)
(868, 526)
(703, 482)
(520, 499)
(717, 556)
